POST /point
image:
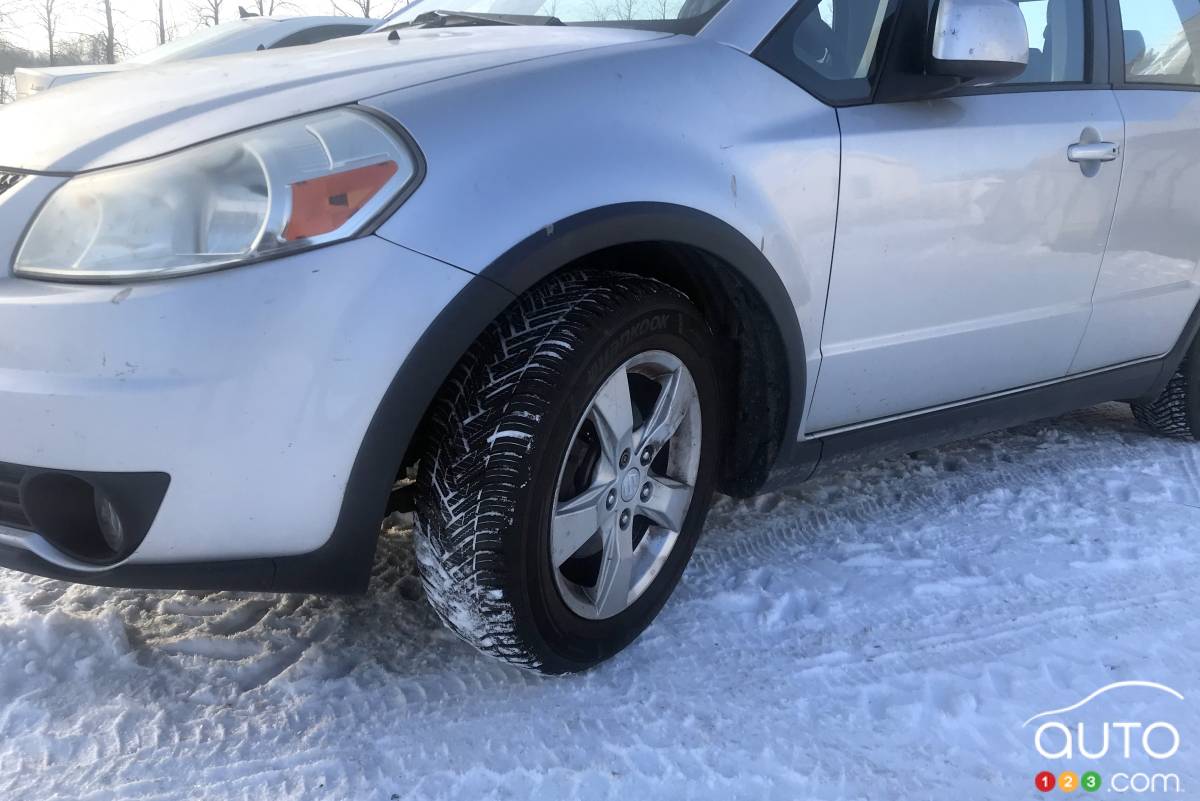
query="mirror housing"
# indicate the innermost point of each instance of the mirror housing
(978, 41)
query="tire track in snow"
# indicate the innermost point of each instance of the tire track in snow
(765, 535)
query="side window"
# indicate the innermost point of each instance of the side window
(317, 35)
(1161, 41)
(1058, 41)
(829, 47)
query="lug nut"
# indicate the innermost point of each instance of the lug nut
(647, 491)
(624, 458)
(647, 455)
(611, 500)
(625, 518)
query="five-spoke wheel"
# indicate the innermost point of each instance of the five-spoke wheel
(626, 484)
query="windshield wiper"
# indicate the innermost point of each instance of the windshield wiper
(454, 19)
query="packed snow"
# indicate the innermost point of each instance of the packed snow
(878, 634)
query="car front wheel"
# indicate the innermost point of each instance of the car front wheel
(569, 467)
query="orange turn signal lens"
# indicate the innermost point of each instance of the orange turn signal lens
(325, 204)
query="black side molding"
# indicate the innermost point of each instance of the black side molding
(1141, 381)
(892, 438)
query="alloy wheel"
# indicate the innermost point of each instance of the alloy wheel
(626, 485)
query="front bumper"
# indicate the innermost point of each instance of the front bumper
(252, 388)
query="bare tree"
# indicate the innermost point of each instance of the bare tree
(162, 21)
(358, 8)
(209, 11)
(84, 48)
(47, 13)
(8, 89)
(5, 20)
(110, 34)
(267, 8)
(368, 8)
(601, 9)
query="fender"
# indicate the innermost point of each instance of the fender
(394, 427)
(575, 237)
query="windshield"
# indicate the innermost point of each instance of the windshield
(198, 43)
(679, 16)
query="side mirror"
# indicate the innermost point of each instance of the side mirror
(978, 41)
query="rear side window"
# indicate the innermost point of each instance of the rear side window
(829, 47)
(1057, 41)
(316, 35)
(1162, 38)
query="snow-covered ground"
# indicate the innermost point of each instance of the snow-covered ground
(879, 634)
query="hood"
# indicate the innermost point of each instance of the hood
(150, 111)
(31, 80)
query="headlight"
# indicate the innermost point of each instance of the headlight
(266, 192)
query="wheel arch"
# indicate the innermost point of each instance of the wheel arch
(724, 273)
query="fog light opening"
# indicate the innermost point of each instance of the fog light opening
(75, 517)
(109, 520)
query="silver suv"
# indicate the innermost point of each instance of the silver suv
(552, 273)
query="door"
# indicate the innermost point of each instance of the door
(968, 244)
(1148, 284)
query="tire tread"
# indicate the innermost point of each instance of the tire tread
(483, 424)
(1170, 413)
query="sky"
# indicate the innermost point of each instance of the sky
(135, 19)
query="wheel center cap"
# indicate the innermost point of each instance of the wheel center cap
(629, 484)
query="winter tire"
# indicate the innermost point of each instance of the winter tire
(1176, 412)
(568, 469)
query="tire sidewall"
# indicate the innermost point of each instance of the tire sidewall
(565, 641)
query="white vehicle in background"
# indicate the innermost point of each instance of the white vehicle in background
(241, 36)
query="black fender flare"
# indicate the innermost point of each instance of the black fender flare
(570, 239)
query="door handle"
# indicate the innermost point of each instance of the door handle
(1083, 153)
